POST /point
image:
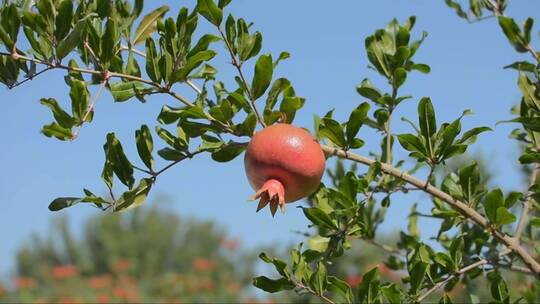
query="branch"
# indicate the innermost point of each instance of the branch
(526, 206)
(238, 66)
(533, 53)
(450, 277)
(188, 155)
(306, 288)
(29, 77)
(459, 206)
(156, 85)
(88, 110)
(143, 54)
(387, 248)
(463, 270)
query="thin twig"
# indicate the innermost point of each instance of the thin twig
(143, 170)
(90, 108)
(450, 277)
(29, 77)
(134, 50)
(193, 86)
(87, 46)
(461, 207)
(515, 268)
(458, 273)
(430, 175)
(143, 54)
(156, 85)
(238, 66)
(306, 288)
(481, 19)
(188, 155)
(384, 247)
(533, 53)
(526, 206)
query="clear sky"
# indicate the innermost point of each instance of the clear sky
(326, 42)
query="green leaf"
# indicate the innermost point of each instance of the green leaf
(279, 86)
(145, 145)
(513, 33)
(210, 143)
(171, 154)
(170, 139)
(332, 130)
(400, 76)
(282, 56)
(445, 299)
(223, 3)
(192, 63)
(512, 199)
(169, 115)
(124, 90)
(457, 8)
(272, 286)
(428, 124)
(530, 93)
(109, 42)
(504, 217)
(63, 119)
(118, 160)
(203, 43)
(369, 289)
(447, 135)
(228, 151)
(63, 19)
(411, 143)
(417, 276)
(55, 130)
(320, 218)
(472, 133)
(209, 10)
(152, 65)
(9, 25)
(318, 279)
(148, 24)
(281, 266)
(289, 106)
(499, 289)
(247, 128)
(456, 251)
(249, 46)
(530, 123)
(262, 77)
(135, 197)
(80, 98)
(469, 180)
(391, 292)
(524, 66)
(340, 287)
(73, 39)
(492, 202)
(64, 202)
(367, 90)
(356, 119)
(421, 67)
(373, 171)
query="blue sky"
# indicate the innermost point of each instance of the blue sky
(326, 42)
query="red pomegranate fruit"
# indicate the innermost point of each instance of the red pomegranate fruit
(283, 164)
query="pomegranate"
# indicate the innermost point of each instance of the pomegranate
(283, 164)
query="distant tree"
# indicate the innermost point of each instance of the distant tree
(145, 255)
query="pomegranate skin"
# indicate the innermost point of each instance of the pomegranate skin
(282, 155)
